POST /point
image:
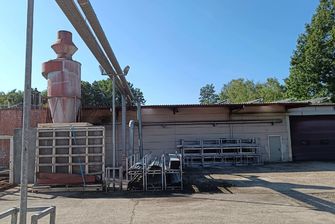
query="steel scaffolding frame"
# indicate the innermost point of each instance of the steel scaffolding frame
(222, 151)
(170, 170)
(154, 173)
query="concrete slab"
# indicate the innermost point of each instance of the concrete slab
(276, 193)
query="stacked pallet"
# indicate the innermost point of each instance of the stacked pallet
(223, 151)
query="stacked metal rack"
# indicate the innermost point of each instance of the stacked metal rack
(156, 173)
(114, 177)
(173, 172)
(223, 151)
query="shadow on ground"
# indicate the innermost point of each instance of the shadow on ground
(200, 180)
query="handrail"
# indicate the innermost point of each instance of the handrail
(10, 212)
(48, 211)
(41, 212)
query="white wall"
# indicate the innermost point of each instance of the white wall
(313, 110)
(159, 139)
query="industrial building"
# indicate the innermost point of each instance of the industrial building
(74, 145)
(62, 144)
(282, 131)
(70, 144)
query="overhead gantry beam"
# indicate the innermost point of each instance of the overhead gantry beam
(95, 24)
(77, 20)
(105, 57)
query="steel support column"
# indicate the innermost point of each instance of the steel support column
(26, 113)
(131, 150)
(114, 129)
(140, 137)
(124, 119)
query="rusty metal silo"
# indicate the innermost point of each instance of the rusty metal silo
(63, 75)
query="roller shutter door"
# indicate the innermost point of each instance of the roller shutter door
(313, 138)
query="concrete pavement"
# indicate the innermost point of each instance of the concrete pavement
(275, 193)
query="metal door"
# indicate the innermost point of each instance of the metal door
(312, 138)
(275, 148)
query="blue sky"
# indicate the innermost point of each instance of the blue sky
(174, 47)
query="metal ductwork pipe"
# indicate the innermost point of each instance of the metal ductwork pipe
(214, 123)
(131, 150)
(95, 24)
(123, 125)
(140, 137)
(72, 13)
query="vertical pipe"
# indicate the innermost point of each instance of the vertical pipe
(114, 129)
(289, 141)
(131, 150)
(14, 217)
(34, 219)
(26, 113)
(53, 215)
(181, 171)
(231, 134)
(11, 159)
(140, 137)
(124, 147)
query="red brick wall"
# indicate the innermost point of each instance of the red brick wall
(11, 119)
(98, 116)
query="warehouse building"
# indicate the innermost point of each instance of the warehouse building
(302, 131)
(283, 131)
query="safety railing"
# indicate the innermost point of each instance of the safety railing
(114, 176)
(41, 212)
(10, 212)
(46, 211)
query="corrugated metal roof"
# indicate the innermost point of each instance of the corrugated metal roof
(287, 104)
(226, 104)
(322, 104)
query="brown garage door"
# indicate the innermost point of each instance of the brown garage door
(313, 137)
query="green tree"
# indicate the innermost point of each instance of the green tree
(138, 94)
(238, 91)
(44, 95)
(2, 98)
(241, 90)
(208, 95)
(312, 70)
(270, 91)
(11, 98)
(15, 97)
(87, 95)
(99, 94)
